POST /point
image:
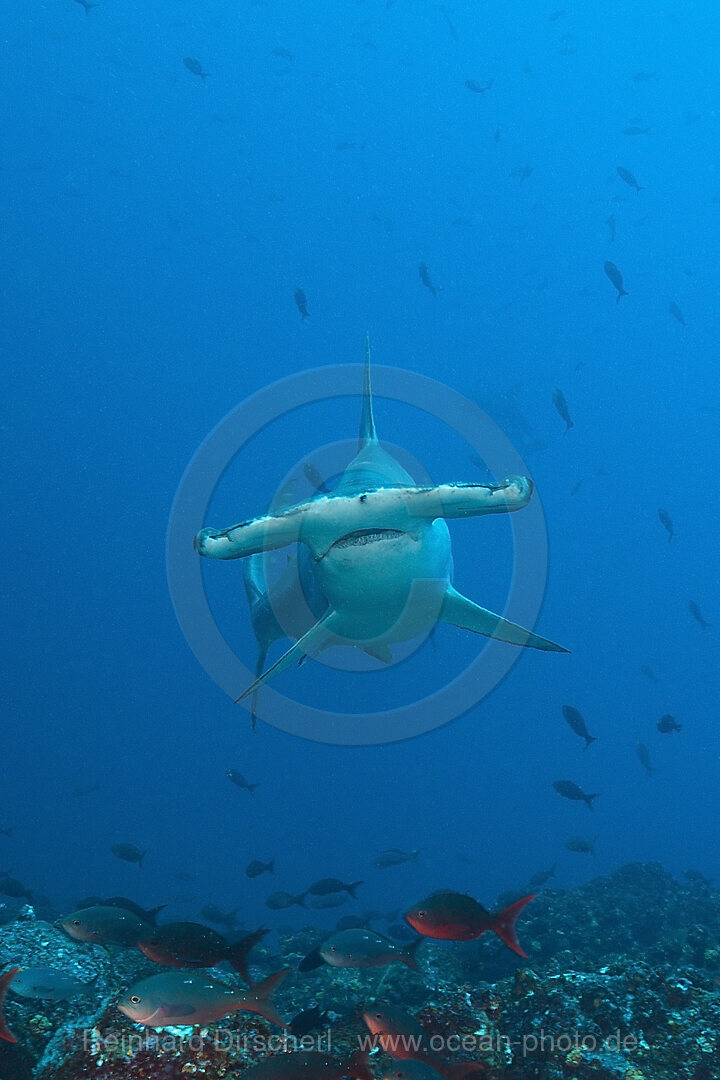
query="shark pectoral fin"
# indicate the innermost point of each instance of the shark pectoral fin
(318, 637)
(459, 611)
(378, 652)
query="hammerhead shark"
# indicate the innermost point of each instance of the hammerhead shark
(373, 563)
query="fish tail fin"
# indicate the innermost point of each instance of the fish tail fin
(358, 1066)
(251, 788)
(589, 800)
(367, 433)
(311, 961)
(152, 914)
(351, 888)
(503, 924)
(5, 980)
(590, 739)
(621, 293)
(300, 900)
(408, 955)
(140, 860)
(260, 998)
(239, 952)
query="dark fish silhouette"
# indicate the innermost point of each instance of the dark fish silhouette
(352, 922)
(676, 313)
(86, 5)
(542, 877)
(570, 790)
(360, 949)
(128, 853)
(521, 172)
(478, 88)
(643, 76)
(697, 614)
(667, 724)
(581, 844)
(83, 790)
(667, 523)
(307, 1021)
(213, 913)
(629, 179)
(256, 868)
(577, 723)
(394, 857)
(616, 278)
(195, 67)
(558, 400)
(278, 901)
(282, 54)
(425, 278)
(329, 885)
(611, 224)
(192, 945)
(313, 477)
(649, 673)
(301, 304)
(239, 780)
(10, 886)
(148, 915)
(635, 129)
(643, 756)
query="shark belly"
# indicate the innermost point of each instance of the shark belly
(384, 584)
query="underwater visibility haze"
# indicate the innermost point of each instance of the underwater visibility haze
(212, 214)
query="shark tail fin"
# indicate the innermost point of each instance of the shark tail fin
(367, 420)
(459, 611)
(318, 637)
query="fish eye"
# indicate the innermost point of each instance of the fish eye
(135, 999)
(76, 922)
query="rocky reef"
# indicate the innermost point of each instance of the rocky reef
(622, 982)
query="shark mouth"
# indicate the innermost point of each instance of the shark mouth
(366, 536)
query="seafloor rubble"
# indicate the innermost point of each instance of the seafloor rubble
(622, 983)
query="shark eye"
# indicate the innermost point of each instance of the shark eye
(135, 999)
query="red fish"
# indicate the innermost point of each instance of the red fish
(192, 945)
(403, 1038)
(452, 916)
(5, 980)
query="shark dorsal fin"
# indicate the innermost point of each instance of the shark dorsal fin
(367, 420)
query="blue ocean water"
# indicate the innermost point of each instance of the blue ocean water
(156, 227)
